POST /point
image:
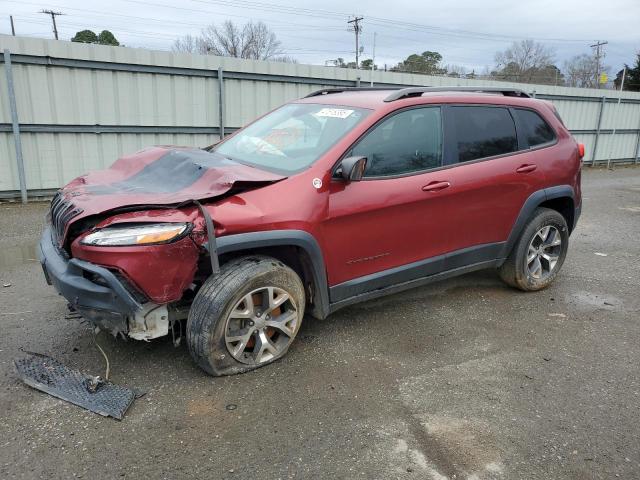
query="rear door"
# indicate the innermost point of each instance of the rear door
(492, 172)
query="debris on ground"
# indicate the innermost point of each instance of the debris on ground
(6, 285)
(560, 315)
(600, 254)
(92, 393)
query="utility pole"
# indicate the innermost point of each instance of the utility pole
(373, 59)
(357, 28)
(53, 20)
(613, 134)
(13, 28)
(599, 54)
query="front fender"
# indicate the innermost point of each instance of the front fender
(277, 238)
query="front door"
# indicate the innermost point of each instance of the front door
(393, 217)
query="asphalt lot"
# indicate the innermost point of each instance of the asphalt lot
(462, 379)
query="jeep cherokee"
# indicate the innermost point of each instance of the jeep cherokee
(336, 198)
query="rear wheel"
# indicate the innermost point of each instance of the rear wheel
(246, 316)
(539, 253)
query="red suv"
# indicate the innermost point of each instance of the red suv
(340, 197)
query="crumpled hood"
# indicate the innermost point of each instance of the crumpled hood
(160, 176)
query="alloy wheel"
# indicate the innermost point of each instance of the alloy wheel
(543, 252)
(261, 325)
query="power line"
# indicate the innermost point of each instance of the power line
(53, 20)
(271, 7)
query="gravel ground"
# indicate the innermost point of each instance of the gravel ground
(462, 379)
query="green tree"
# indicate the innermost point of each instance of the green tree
(85, 36)
(427, 63)
(107, 38)
(632, 79)
(89, 36)
(366, 64)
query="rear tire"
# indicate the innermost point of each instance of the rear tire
(539, 253)
(246, 316)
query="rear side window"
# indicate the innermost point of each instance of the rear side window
(482, 132)
(533, 129)
(409, 141)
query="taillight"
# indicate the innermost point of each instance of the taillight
(581, 150)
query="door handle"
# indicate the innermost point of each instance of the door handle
(435, 186)
(526, 168)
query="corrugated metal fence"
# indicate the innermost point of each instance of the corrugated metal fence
(71, 107)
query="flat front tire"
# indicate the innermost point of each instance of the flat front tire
(539, 253)
(246, 316)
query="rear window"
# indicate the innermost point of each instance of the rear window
(533, 129)
(482, 132)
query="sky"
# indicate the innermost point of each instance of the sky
(466, 33)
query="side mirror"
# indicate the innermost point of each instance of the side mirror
(351, 169)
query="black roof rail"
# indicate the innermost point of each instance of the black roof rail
(327, 91)
(418, 91)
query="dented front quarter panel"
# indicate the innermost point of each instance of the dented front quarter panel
(162, 272)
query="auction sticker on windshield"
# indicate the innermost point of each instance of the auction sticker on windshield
(334, 113)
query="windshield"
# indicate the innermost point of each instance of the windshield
(292, 137)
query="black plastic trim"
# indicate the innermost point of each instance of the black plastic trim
(68, 279)
(418, 282)
(416, 271)
(274, 238)
(576, 216)
(530, 204)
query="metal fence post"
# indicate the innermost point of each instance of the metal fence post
(221, 102)
(595, 143)
(15, 124)
(637, 147)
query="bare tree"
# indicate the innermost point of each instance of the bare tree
(457, 71)
(581, 71)
(187, 44)
(522, 61)
(253, 40)
(284, 59)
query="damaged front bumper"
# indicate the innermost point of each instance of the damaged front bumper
(99, 296)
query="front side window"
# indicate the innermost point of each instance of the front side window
(482, 132)
(409, 141)
(292, 137)
(534, 130)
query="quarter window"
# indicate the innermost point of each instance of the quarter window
(409, 141)
(482, 132)
(534, 130)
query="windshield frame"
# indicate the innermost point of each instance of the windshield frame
(289, 172)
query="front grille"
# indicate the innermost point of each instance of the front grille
(61, 212)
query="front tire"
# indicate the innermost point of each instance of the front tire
(539, 253)
(246, 316)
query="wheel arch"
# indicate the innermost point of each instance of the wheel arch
(297, 249)
(560, 198)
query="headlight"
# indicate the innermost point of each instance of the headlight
(136, 235)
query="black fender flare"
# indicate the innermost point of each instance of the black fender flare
(534, 201)
(277, 238)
